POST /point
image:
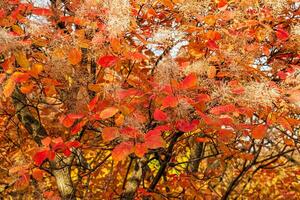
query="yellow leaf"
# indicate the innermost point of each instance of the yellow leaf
(36, 69)
(40, 42)
(9, 87)
(211, 72)
(22, 59)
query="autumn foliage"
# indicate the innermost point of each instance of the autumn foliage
(163, 99)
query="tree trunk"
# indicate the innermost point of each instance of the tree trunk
(196, 154)
(59, 167)
(64, 182)
(133, 181)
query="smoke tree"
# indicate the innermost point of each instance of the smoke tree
(164, 99)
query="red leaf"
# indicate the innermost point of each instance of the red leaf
(108, 112)
(211, 44)
(160, 115)
(78, 127)
(186, 126)
(121, 151)
(282, 34)
(222, 109)
(259, 131)
(110, 133)
(40, 157)
(163, 128)
(189, 82)
(222, 3)
(282, 75)
(154, 140)
(170, 101)
(67, 152)
(107, 61)
(2, 13)
(42, 11)
(93, 102)
(74, 144)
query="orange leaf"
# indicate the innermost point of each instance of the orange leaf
(74, 56)
(46, 141)
(159, 115)
(22, 182)
(140, 149)
(110, 133)
(19, 77)
(259, 131)
(200, 139)
(154, 140)
(37, 174)
(108, 112)
(189, 82)
(25, 89)
(69, 120)
(119, 120)
(2, 77)
(121, 151)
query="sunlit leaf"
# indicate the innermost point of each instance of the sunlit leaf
(37, 174)
(107, 61)
(259, 131)
(9, 87)
(189, 82)
(121, 151)
(110, 133)
(160, 115)
(22, 59)
(108, 112)
(154, 140)
(74, 56)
